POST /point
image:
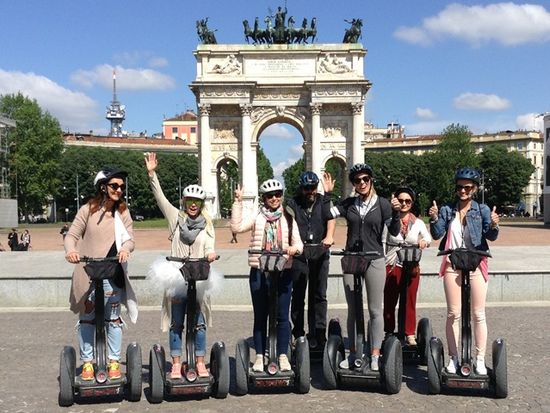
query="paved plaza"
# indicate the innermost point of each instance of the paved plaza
(30, 344)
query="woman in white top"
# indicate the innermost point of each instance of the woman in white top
(413, 231)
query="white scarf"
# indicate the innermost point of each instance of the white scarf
(121, 234)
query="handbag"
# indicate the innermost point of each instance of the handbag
(354, 264)
(102, 270)
(464, 259)
(271, 263)
(196, 270)
(314, 252)
(409, 254)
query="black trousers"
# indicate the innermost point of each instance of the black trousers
(314, 273)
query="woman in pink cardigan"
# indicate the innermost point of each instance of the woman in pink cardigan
(272, 228)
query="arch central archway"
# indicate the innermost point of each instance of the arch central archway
(241, 89)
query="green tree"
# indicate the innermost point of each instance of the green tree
(35, 152)
(263, 166)
(291, 176)
(505, 174)
(228, 178)
(454, 151)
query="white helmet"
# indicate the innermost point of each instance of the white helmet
(194, 191)
(270, 185)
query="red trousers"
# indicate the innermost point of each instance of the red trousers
(391, 297)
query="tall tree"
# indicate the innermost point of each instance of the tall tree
(505, 174)
(35, 151)
(228, 178)
(263, 166)
(291, 176)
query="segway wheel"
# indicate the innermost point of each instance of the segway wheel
(392, 365)
(435, 365)
(500, 368)
(157, 367)
(219, 368)
(242, 364)
(67, 367)
(302, 366)
(332, 356)
(133, 371)
(424, 333)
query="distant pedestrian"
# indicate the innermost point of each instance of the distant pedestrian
(13, 239)
(234, 237)
(25, 243)
(64, 230)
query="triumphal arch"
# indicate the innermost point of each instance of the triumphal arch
(242, 89)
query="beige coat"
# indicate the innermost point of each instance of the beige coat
(93, 235)
(203, 245)
(256, 224)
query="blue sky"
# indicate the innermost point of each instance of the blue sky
(478, 63)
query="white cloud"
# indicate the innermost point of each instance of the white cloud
(278, 131)
(74, 110)
(480, 101)
(425, 113)
(506, 23)
(426, 128)
(295, 152)
(158, 62)
(126, 79)
(530, 121)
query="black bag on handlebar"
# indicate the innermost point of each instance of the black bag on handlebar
(314, 252)
(196, 270)
(103, 270)
(354, 264)
(463, 259)
(409, 254)
(272, 263)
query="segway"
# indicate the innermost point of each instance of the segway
(70, 383)
(217, 382)
(272, 263)
(466, 377)
(316, 349)
(409, 255)
(359, 373)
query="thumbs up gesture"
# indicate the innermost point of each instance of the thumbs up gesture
(495, 219)
(395, 205)
(434, 211)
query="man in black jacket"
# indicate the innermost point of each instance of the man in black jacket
(316, 225)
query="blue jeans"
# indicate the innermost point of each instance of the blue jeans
(260, 301)
(113, 324)
(179, 305)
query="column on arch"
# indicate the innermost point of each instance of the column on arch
(248, 157)
(207, 182)
(357, 154)
(315, 147)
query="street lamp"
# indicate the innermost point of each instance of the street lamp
(77, 194)
(66, 214)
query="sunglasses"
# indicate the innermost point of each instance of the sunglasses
(405, 201)
(365, 179)
(193, 201)
(116, 187)
(273, 195)
(467, 188)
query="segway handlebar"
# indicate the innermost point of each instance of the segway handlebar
(189, 259)
(478, 252)
(268, 252)
(356, 253)
(402, 245)
(97, 259)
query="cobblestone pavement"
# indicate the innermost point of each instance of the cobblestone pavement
(30, 344)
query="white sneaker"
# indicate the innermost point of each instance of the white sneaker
(411, 341)
(453, 365)
(480, 366)
(284, 365)
(374, 363)
(348, 361)
(259, 363)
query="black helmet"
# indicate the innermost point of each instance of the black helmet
(360, 168)
(468, 173)
(308, 178)
(107, 174)
(407, 190)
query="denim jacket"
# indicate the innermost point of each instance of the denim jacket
(478, 220)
